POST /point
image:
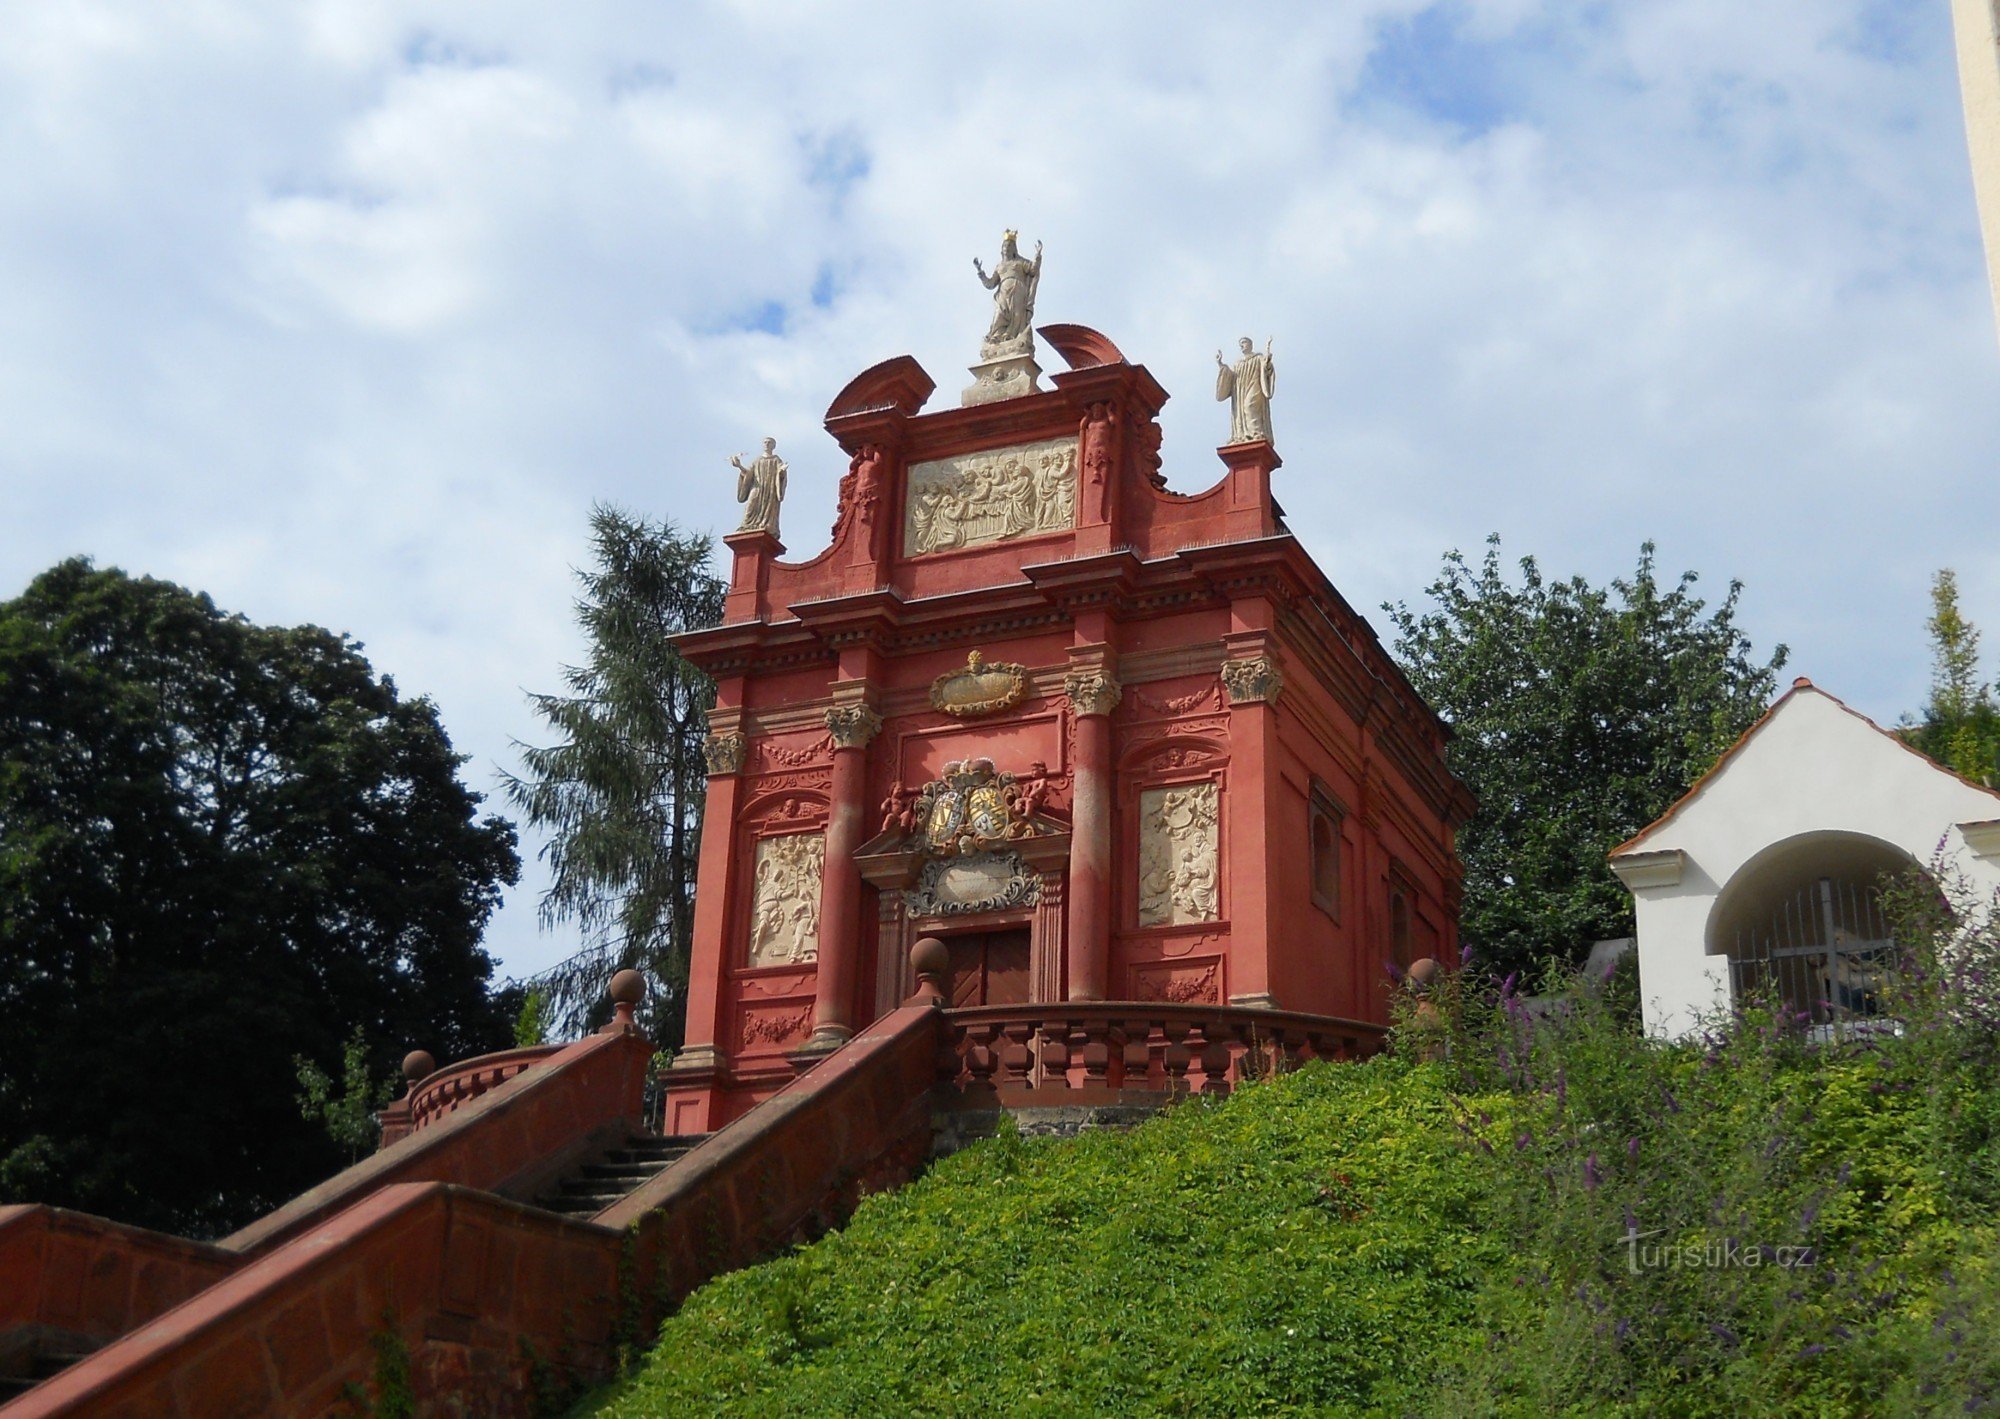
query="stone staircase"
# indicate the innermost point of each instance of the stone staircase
(31, 1358)
(607, 1178)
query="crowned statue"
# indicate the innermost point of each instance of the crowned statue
(1013, 281)
(1248, 386)
(760, 487)
(1007, 368)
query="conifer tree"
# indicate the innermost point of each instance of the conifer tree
(620, 791)
(1961, 724)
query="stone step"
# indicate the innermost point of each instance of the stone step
(42, 1365)
(611, 1177)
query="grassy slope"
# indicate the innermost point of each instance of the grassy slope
(1399, 1238)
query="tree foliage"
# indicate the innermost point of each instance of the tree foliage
(1961, 724)
(1580, 713)
(621, 791)
(223, 846)
(345, 1107)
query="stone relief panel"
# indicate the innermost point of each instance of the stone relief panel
(784, 899)
(1177, 854)
(978, 498)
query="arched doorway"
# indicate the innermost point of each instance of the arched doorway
(1803, 921)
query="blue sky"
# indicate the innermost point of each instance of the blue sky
(347, 312)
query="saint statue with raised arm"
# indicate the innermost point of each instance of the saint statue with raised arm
(760, 487)
(1247, 386)
(1013, 281)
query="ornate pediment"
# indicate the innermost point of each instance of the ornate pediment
(979, 688)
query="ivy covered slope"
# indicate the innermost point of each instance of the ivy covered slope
(1421, 1238)
(1275, 1249)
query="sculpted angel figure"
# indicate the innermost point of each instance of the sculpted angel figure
(760, 487)
(1248, 387)
(1013, 282)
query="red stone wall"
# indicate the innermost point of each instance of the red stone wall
(72, 1272)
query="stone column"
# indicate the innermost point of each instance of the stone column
(1093, 694)
(852, 726)
(1252, 684)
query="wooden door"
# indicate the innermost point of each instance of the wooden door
(989, 967)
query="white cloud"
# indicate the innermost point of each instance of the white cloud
(346, 311)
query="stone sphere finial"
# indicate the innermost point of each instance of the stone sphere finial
(931, 960)
(418, 1066)
(1423, 973)
(628, 988)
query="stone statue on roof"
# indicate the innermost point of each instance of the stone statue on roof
(760, 487)
(1248, 387)
(1013, 282)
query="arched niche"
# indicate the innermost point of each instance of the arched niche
(1763, 888)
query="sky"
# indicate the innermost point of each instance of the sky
(346, 313)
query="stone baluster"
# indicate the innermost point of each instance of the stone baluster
(1136, 1055)
(1054, 1050)
(1017, 1059)
(1177, 1057)
(1090, 1045)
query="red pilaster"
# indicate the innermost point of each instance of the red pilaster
(852, 725)
(708, 964)
(1093, 694)
(1251, 681)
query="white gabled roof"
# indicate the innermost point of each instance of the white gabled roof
(1811, 747)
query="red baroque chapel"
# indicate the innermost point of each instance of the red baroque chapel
(1108, 741)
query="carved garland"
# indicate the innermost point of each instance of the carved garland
(775, 1029)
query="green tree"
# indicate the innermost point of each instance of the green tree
(347, 1108)
(620, 793)
(1580, 713)
(223, 846)
(1961, 724)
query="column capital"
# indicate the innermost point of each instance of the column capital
(725, 752)
(852, 725)
(1092, 691)
(1256, 680)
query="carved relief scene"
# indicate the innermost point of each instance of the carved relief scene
(784, 899)
(1177, 855)
(978, 498)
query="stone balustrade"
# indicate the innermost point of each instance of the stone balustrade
(449, 1089)
(1001, 1053)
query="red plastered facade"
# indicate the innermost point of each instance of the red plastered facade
(1148, 643)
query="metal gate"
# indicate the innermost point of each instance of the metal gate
(1825, 953)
